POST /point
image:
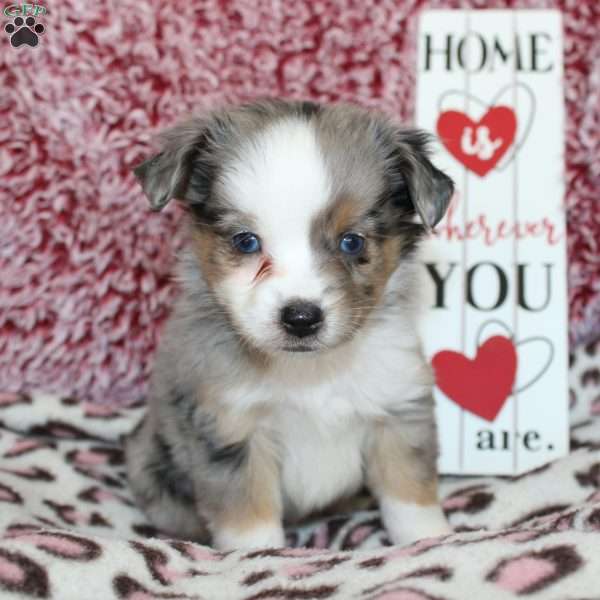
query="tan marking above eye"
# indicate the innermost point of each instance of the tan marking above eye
(343, 215)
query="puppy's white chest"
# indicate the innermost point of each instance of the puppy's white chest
(319, 464)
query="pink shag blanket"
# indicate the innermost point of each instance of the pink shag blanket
(84, 266)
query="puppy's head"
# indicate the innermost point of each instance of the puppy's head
(301, 213)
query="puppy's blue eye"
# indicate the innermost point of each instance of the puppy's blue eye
(246, 242)
(352, 243)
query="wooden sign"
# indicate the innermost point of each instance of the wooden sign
(490, 87)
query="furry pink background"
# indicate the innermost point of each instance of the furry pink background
(84, 266)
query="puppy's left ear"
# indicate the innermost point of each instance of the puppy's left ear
(429, 189)
(166, 175)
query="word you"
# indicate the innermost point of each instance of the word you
(502, 288)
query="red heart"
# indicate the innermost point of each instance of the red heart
(481, 147)
(483, 384)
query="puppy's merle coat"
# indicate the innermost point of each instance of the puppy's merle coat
(290, 373)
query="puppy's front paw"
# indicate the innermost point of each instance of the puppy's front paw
(406, 522)
(268, 535)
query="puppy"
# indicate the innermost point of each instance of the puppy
(290, 373)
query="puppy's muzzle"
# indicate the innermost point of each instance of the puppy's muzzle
(301, 319)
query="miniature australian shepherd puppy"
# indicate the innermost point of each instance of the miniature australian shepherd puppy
(290, 373)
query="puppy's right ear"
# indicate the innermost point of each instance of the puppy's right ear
(167, 174)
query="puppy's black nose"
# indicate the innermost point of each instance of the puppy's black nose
(302, 318)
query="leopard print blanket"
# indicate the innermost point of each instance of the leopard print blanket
(69, 528)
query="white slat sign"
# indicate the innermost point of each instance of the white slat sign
(490, 87)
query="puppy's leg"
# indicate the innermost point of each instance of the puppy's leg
(401, 470)
(160, 486)
(247, 512)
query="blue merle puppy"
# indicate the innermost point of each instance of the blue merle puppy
(290, 373)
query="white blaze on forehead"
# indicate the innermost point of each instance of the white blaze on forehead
(281, 180)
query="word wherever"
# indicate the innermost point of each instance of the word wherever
(479, 228)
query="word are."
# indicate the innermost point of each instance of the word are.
(488, 439)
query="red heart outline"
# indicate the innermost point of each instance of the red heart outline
(501, 122)
(480, 385)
